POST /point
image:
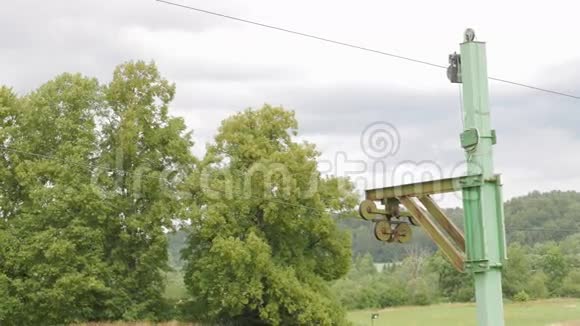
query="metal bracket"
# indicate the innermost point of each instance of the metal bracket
(454, 69)
(469, 139)
(469, 181)
(492, 136)
(476, 266)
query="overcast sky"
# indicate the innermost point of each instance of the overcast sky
(221, 67)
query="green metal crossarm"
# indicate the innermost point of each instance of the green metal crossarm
(425, 188)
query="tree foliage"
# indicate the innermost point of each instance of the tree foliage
(53, 271)
(264, 245)
(147, 148)
(408, 282)
(552, 213)
(82, 204)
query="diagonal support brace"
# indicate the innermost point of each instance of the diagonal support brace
(433, 231)
(444, 221)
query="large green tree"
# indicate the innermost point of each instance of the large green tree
(89, 179)
(144, 153)
(265, 243)
(52, 268)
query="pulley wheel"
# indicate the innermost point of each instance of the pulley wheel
(366, 209)
(403, 233)
(383, 231)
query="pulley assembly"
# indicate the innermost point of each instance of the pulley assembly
(391, 224)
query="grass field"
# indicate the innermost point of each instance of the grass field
(174, 287)
(557, 312)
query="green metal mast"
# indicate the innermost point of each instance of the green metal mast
(480, 249)
(483, 206)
